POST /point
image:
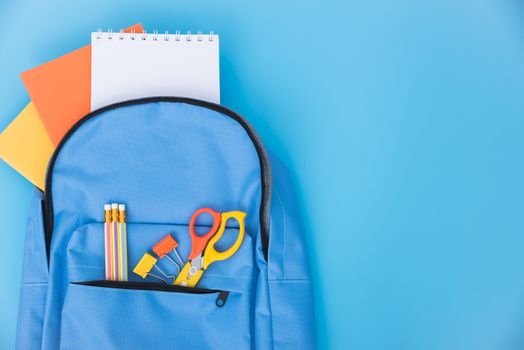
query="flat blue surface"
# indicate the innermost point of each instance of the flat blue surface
(402, 123)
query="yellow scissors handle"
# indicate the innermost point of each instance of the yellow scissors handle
(211, 254)
(186, 279)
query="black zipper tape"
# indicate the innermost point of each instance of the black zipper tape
(44, 219)
(159, 287)
(265, 168)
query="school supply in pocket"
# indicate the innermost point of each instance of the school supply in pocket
(146, 264)
(122, 243)
(115, 242)
(166, 246)
(203, 252)
(108, 237)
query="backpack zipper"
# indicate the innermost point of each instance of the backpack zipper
(265, 169)
(220, 300)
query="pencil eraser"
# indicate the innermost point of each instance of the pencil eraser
(122, 207)
(114, 206)
(107, 206)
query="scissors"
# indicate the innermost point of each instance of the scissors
(203, 252)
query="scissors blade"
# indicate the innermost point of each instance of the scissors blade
(198, 262)
(191, 274)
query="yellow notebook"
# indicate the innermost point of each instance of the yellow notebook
(26, 146)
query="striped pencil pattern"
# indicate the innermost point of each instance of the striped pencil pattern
(122, 243)
(115, 242)
(107, 242)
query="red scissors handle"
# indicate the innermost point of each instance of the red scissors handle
(199, 242)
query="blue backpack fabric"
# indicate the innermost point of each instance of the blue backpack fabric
(164, 158)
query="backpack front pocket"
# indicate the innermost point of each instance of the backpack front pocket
(85, 255)
(140, 315)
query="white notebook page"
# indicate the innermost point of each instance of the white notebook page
(129, 66)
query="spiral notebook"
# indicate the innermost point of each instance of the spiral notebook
(134, 65)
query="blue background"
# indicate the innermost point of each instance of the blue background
(402, 122)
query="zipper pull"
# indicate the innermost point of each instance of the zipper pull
(222, 298)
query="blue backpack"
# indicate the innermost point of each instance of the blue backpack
(164, 158)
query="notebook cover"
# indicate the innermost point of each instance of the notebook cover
(25, 145)
(61, 89)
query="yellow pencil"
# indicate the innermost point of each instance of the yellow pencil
(114, 240)
(107, 240)
(122, 243)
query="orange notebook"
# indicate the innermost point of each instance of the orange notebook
(61, 89)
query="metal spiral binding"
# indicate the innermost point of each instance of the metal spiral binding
(155, 36)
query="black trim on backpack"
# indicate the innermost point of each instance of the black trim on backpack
(265, 168)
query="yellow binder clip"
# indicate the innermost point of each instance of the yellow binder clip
(146, 264)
